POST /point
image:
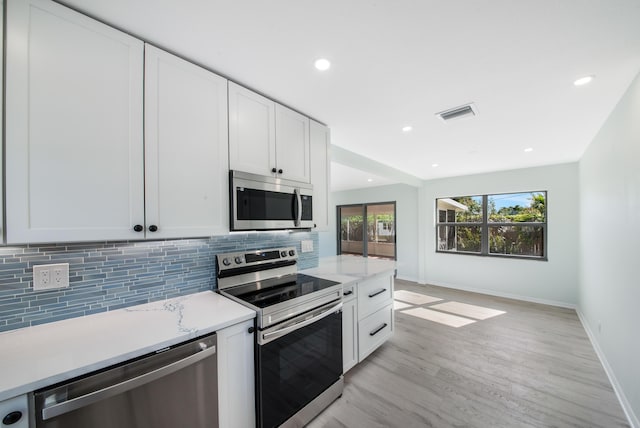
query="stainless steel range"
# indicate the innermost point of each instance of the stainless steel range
(298, 336)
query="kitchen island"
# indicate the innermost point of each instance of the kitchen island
(347, 268)
(367, 314)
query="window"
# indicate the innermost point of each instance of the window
(508, 224)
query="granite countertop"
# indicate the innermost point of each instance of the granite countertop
(347, 268)
(35, 357)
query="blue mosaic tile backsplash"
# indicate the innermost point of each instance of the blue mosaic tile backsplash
(111, 275)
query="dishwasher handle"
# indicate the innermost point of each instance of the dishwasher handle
(129, 384)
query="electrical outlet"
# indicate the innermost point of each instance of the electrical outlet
(306, 246)
(48, 277)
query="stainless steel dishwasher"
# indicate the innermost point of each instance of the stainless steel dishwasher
(174, 387)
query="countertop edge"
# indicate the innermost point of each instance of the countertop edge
(243, 314)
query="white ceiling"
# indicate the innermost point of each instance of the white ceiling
(396, 63)
(346, 178)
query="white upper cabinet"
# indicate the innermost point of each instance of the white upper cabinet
(252, 131)
(292, 145)
(267, 138)
(186, 148)
(74, 134)
(320, 174)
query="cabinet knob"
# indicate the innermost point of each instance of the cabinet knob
(12, 418)
(138, 228)
(280, 171)
(153, 228)
(274, 170)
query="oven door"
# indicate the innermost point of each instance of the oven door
(262, 203)
(297, 361)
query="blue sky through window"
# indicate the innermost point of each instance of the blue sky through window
(513, 199)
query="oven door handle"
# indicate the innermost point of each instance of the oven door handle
(298, 219)
(273, 335)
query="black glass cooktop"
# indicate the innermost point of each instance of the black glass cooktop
(278, 290)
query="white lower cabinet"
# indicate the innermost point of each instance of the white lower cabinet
(236, 396)
(349, 334)
(14, 412)
(367, 317)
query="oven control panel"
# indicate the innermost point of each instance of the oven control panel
(235, 260)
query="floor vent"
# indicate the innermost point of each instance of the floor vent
(467, 110)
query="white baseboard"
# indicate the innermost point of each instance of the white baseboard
(406, 278)
(626, 407)
(507, 295)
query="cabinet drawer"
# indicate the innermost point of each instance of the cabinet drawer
(374, 330)
(349, 291)
(374, 294)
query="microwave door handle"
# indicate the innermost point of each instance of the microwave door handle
(298, 218)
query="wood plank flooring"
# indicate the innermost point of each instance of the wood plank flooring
(532, 366)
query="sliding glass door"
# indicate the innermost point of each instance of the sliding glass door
(350, 218)
(368, 230)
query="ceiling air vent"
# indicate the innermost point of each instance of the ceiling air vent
(467, 110)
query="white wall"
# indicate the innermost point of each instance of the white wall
(406, 198)
(609, 174)
(553, 281)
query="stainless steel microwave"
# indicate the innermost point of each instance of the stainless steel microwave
(268, 203)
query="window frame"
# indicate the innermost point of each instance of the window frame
(485, 224)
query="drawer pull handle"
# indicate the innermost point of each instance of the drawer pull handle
(378, 330)
(346, 293)
(377, 292)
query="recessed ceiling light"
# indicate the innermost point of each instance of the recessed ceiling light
(434, 165)
(528, 149)
(369, 180)
(407, 128)
(322, 64)
(583, 80)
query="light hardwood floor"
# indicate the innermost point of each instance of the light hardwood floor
(532, 366)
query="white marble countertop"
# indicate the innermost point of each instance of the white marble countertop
(347, 268)
(34, 357)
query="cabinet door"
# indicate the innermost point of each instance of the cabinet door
(236, 378)
(252, 133)
(14, 407)
(292, 144)
(1, 105)
(349, 334)
(320, 174)
(74, 107)
(186, 148)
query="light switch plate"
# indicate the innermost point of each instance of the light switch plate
(306, 246)
(49, 277)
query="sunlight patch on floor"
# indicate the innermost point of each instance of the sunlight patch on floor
(439, 317)
(399, 305)
(466, 310)
(414, 298)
